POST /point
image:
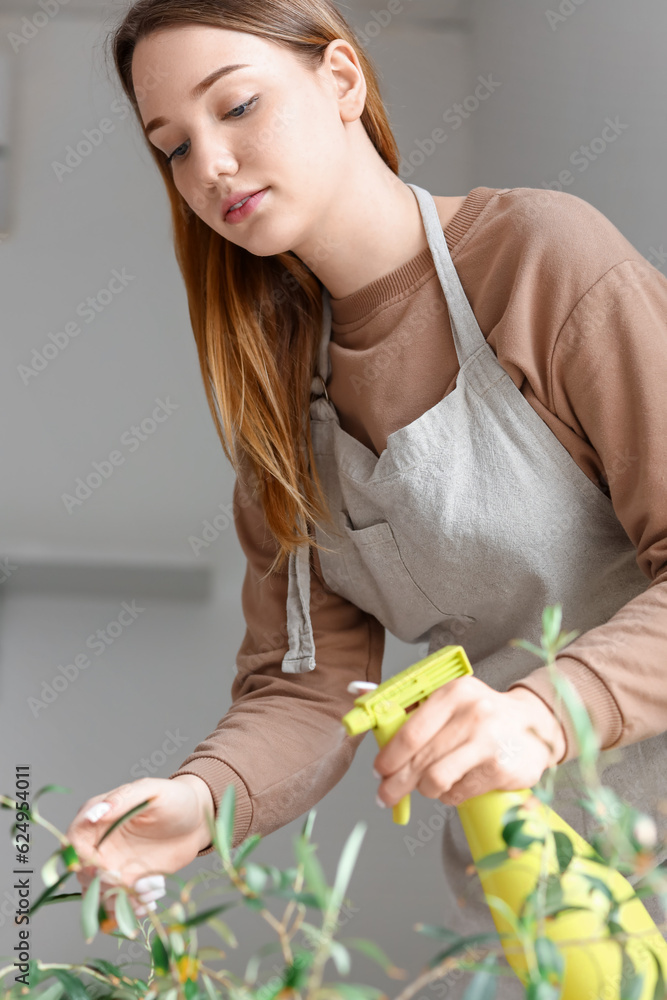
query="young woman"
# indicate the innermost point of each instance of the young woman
(444, 413)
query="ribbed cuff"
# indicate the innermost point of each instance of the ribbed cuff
(217, 776)
(597, 698)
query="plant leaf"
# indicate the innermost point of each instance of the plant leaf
(224, 823)
(74, 987)
(435, 931)
(632, 990)
(225, 932)
(49, 870)
(542, 990)
(552, 617)
(370, 949)
(307, 828)
(483, 984)
(255, 876)
(586, 737)
(514, 836)
(659, 993)
(70, 857)
(52, 992)
(210, 988)
(49, 788)
(348, 860)
(254, 962)
(191, 990)
(312, 870)
(122, 819)
(199, 918)
(549, 958)
(491, 861)
(107, 968)
(523, 644)
(297, 972)
(244, 849)
(597, 883)
(125, 916)
(499, 904)
(463, 942)
(564, 849)
(160, 954)
(62, 896)
(48, 892)
(341, 957)
(89, 908)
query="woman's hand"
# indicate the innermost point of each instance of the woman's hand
(163, 837)
(468, 738)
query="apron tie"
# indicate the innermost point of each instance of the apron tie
(300, 657)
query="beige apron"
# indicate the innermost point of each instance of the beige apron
(471, 521)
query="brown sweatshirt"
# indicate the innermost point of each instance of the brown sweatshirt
(578, 318)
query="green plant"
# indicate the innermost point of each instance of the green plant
(178, 969)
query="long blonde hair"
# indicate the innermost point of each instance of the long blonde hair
(256, 320)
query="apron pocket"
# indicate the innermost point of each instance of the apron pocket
(382, 585)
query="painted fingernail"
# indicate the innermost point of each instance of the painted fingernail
(146, 897)
(376, 774)
(97, 811)
(382, 805)
(142, 910)
(148, 882)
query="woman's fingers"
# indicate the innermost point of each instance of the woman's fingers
(448, 749)
(420, 727)
(142, 910)
(489, 742)
(150, 888)
(447, 772)
(97, 811)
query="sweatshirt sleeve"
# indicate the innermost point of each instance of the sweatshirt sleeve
(608, 378)
(281, 743)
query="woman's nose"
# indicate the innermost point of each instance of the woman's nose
(214, 164)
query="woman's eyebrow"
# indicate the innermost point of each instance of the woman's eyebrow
(196, 92)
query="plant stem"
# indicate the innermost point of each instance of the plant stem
(35, 815)
(223, 979)
(441, 970)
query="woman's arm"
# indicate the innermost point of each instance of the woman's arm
(281, 742)
(608, 383)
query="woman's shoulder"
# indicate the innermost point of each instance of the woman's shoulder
(561, 223)
(555, 241)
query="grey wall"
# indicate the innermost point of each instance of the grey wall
(67, 573)
(565, 68)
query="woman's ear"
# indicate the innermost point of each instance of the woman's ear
(341, 65)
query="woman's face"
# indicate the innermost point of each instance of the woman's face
(273, 124)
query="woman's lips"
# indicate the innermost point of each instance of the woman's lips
(248, 207)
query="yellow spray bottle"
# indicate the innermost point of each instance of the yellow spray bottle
(593, 969)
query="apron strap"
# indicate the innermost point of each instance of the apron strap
(300, 656)
(468, 338)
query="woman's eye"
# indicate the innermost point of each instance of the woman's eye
(172, 155)
(246, 104)
(230, 114)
